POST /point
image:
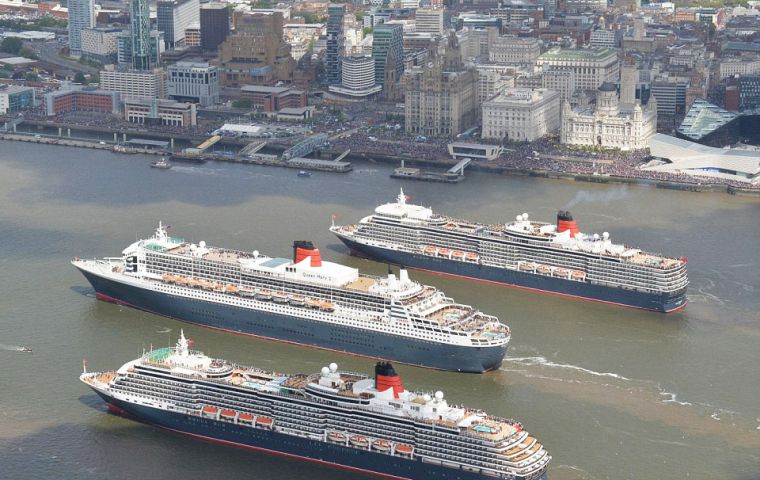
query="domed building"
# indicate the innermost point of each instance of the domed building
(609, 125)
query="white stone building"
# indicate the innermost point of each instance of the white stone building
(358, 78)
(590, 66)
(561, 81)
(140, 84)
(739, 66)
(492, 79)
(521, 114)
(608, 125)
(513, 50)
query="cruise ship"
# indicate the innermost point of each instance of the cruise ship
(548, 257)
(302, 300)
(340, 419)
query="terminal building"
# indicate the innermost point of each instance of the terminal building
(676, 155)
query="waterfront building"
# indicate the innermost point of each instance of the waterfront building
(429, 20)
(441, 96)
(215, 25)
(388, 52)
(357, 78)
(272, 99)
(81, 100)
(14, 98)
(173, 17)
(256, 54)
(101, 44)
(140, 35)
(81, 16)
(193, 35)
(521, 114)
(512, 50)
(561, 81)
(154, 111)
(134, 83)
(609, 125)
(335, 42)
(193, 81)
(591, 66)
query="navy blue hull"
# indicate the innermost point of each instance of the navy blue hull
(660, 302)
(301, 330)
(272, 442)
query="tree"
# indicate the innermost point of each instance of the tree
(366, 31)
(80, 78)
(11, 45)
(245, 104)
(31, 77)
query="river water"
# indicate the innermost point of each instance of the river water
(612, 393)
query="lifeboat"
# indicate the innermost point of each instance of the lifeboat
(472, 256)
(206, 285)
(279, 298)
(311, 303)
(528, 266)
(327, 306)
(336, 437)
(381, 445)
(228, 414)
(359, 441)
(561, 272)
(220, 287)
(191, 282)
(168, 278)
(245, 417)
(265, 422)
(264, 295)
(458, 255)
(430, 250)
(210, 411)
(180, 280)
(544, 269)
(579, 275)
(231, 289)
(444, 252)
(404, 449)
(297, 300)
(245, 292)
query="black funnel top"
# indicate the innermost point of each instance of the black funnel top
(385, 369)
(565, 216)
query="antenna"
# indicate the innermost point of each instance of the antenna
(84, 366)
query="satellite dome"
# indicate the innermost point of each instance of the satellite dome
(333, 367)
(439, 395)
(325, 371)
(202, 244)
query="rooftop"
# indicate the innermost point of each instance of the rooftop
(703, 118)
(598, 53)
(522, 96)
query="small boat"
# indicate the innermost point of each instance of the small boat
(168, 278)
(444, 251)
(180, 280)
(264, 422)
(579, 275)
(473, 257)
(231, 289)
(245, 417)
(210, 411)
(279, 298)
(561, 272)
(191, 282)
(246, 292)
(25, 349)
(381, 445)
(404, 449)
(162, 164)
(297, 300)
(311, 303)
(304, 174)
(458, 255)
(430, 250)
(327, 306)
(544, 269)
(229, 414)
(528, 266)
(359, 441)
(336, 436)
(264, 295)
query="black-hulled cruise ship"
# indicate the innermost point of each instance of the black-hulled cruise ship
(555, 258)
(341, 419)
(301, 300)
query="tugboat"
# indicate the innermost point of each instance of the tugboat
(25, 349)
(162, 164)
(304, 174)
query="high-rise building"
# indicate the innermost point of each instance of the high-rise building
(125, 57)
(357, 78)
(256, 54)
(193, 35)
(173, 17)
(101, 44)
(521, 114)
(512, 50)
(388, 51)
(215, 25)
(441, 98)
(81, 16)
(335, 42)
(198, 82)
(429, 20)
(140, 48)
(629, 77)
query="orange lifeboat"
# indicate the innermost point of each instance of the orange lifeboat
(191, 282)
(245, 417)
(180, 280)
(529, 266)
(359, 441)
(168, 278)
(578, 275)
(210, 411)
(265, 422)
(311, 303)
(231, 289)
(336, 437)
(381, 445)
(544, 269)
(327, 306)
(228, 414)
(458, 255)
(444, 251)
(404, 449)
(561, 272)
(430, 250)
(471, 256)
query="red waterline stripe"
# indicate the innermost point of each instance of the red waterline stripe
(533, 289)
(106, 298)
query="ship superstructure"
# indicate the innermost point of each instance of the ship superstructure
(345, 419)
(553, 257)
(302, 299)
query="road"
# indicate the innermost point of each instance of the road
(48, 53)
